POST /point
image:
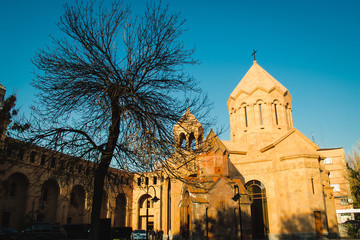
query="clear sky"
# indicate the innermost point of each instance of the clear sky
(311, 47)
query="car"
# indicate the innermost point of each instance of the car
(350, 228)
(138, 234)
(44, 231)
(7, 233)
(121, 233)
(77, 230)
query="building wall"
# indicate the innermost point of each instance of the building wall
(335, 164)
(31, 192)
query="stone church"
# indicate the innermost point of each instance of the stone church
(268, 182)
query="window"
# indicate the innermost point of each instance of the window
(328, 161)
(261, 117)
(139, 181)
(312, 184)
(344, 200)
(32, 157)
(276, 115)
(52, 163)
(336, 187)
(155, 180)
(146, 181)
(42, 162)
(246, 121)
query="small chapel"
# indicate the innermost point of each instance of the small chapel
(268, 182)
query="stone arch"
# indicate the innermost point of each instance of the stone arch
(244, 112)
(14, 200)
(192, 141)
(259, 211)
(185, 213)
(120, 210)
(145, 204)
(182, 140)
(259, 112)
(76, 210)
(276, 111)
(50, 191)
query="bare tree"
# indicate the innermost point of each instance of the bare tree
(353, 167)
(111, 90)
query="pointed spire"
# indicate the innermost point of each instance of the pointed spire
(257, 78)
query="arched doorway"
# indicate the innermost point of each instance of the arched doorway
(143, 201)
(185, 214)
(49, 198)
(259, 212)
(14, 200)
(77, 205)
(120, 210)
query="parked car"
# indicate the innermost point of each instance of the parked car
(77, 230)
(121, 233)
(138, 234)
(7, 233)
(43, 231)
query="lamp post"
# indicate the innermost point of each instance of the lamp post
(237, 197)
(154, 199)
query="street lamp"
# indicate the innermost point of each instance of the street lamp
(237, 197)
(154, 199)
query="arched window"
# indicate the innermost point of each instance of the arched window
(261, 114)
(43, 159)
(182, 140)
(276, 114)
(246, 117)
(192, 142)
(32, 157)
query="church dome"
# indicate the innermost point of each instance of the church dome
(257, 78)
(259, 107)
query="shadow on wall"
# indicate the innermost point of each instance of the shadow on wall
(305, 226)
(221, 224)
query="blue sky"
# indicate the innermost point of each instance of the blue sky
(311, 47)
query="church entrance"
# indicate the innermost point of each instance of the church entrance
(259, 213)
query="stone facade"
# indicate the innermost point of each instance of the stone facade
(268, 181)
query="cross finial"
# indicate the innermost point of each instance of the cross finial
(253, 54)
(187, 103)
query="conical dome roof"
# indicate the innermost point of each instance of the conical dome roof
(257, 78)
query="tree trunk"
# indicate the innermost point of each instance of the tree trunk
(100, 172)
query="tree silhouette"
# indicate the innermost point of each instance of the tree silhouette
(111, 90)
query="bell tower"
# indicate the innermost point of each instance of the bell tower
(259, 107)
(188, 132)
